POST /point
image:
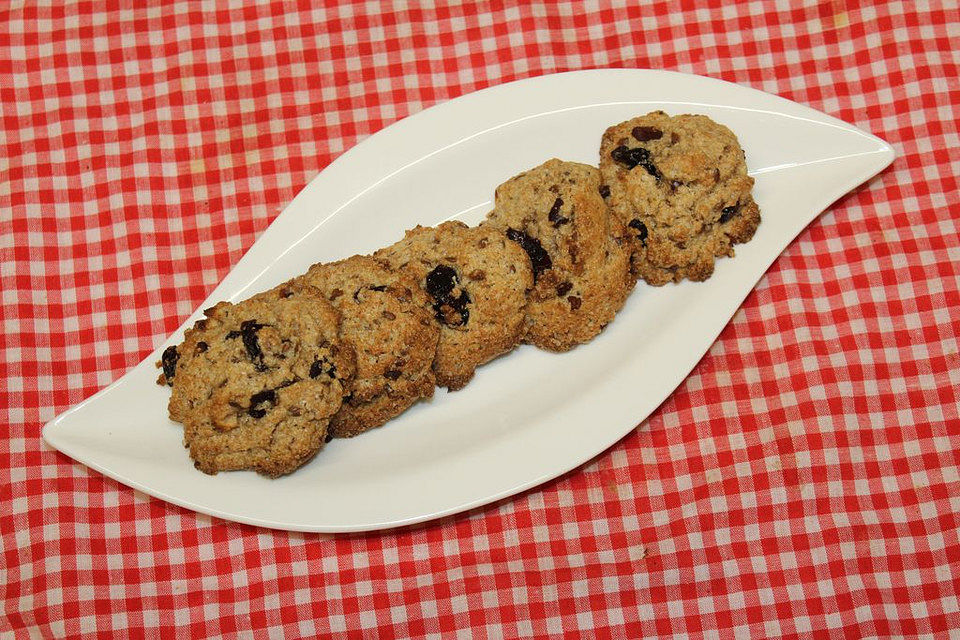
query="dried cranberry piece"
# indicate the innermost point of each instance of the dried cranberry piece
(447, 309)
(169, 362)
(258, 400)
(638, 157)
(728, 212)
(643, 134)
(356, 294)
(321, 366)
(248, 333)
(451, 311)
(641, 230)
(441, 281)
(554, 216)
(539, 258)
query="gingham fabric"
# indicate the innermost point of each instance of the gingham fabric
(804, 481)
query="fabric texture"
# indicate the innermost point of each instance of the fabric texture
(804, 481)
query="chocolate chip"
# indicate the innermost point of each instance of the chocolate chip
(248, 332)
(441, 281)
(200, 348)
(563, 288)
(200, 324)
(637, 157)
(643, 134)
(328, 437)
(539, 258)
(728, 212)
(554, 216)
(641, 230)
(574, 302)
(169, 362)
(258, 400)
(604, 191)
(321, 366)
(392, 374)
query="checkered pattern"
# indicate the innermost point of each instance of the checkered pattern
(803, 482)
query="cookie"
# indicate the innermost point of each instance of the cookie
(384, 318)
(681, 184)
(256, 383)
(580, 257)
(476, 280)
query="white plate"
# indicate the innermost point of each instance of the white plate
(529, 416)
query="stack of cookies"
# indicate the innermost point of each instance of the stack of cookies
(342, 349)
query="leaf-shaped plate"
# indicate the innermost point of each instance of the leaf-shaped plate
(529, 416)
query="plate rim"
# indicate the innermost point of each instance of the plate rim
(51, 431)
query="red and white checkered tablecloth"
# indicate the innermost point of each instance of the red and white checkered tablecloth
(803, 482)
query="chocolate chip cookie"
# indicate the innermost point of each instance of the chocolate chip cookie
(681, 185)
(256, 383)
(477, 282)
(384, 318)
(579, 256)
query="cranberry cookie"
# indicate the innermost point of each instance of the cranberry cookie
(681, 185)
(256, 383)
(580, 258)
(384, 318)
(477, 282)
